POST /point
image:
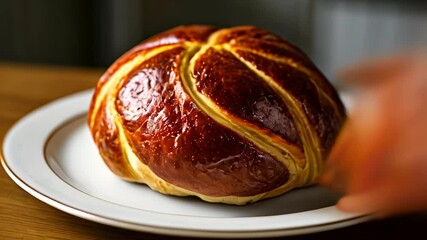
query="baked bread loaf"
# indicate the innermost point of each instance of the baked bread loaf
(228, 115)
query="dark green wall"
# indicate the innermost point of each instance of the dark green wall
(46, 31)
(95, 32)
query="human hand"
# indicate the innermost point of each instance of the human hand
(380, 157)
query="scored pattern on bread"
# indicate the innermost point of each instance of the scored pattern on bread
(229, 115)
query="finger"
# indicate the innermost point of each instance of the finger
(385, 200)
(372, 72)
(361, 203)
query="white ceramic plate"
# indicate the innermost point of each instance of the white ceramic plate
(50, 154)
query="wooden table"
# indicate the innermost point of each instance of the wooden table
(26, 87)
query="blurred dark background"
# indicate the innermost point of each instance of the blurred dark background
(95, 32)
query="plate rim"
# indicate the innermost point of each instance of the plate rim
(174, 231)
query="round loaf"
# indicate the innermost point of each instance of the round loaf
(229, 115)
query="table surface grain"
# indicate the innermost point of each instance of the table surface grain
(24, 88)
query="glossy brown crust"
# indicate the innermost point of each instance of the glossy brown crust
(174, 36)
(317, 108)
(181, 144)
(257, 40)
(239, 91)
(185, 146)
(107, 139)
(181, 34)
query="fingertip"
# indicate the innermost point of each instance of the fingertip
(354, 204)
(362, 204)
(346, 205)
